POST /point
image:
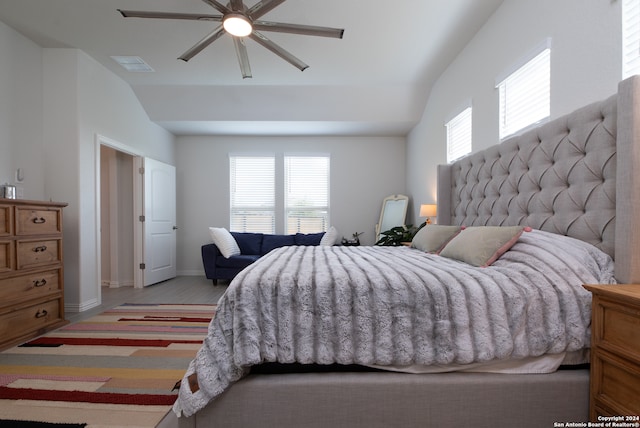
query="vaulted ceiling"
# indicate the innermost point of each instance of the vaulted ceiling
(374, 81)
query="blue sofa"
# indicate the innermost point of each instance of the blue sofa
(252, 247)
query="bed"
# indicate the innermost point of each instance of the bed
(285, 353)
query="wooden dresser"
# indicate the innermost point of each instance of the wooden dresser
(615, 352)
(31, 273)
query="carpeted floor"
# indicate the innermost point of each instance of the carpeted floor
(117, 369)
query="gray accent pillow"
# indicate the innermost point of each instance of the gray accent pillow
(433, 237)
(482, 245)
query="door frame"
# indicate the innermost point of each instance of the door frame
(138, 186)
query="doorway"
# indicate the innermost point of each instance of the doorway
(116, 218)
(136, 217)
(119, 188)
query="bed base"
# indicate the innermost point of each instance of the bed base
(386, 399)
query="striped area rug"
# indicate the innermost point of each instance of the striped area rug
(117, 369)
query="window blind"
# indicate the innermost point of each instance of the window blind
(459, 135)
(630, 38)
(252, 193)
(525, 95)
(306, 180)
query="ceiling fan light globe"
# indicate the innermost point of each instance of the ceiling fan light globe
(237, 25)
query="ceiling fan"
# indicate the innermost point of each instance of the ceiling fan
(240, 22)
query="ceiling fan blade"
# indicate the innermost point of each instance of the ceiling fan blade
(264, 41)
(237, 5)
(206, 41)
(263, 7)
(243, 57)
(169, 15)
(307, 30)
(218, 6)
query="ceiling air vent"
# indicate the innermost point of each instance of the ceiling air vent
(133, 63)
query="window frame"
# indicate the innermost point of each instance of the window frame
(460, 140)
(288, 193)
(510, 120)
(275, 183)
(630, 38)
(265, 207)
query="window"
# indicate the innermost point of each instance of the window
(257, 201)
(252, 193)
(525, 94)
(630, 38)
(459, 135)
(306, 181)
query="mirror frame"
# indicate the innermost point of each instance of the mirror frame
(390, 207)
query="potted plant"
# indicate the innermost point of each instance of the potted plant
(398, 235)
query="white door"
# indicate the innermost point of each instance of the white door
(159, 221)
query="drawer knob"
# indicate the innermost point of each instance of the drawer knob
(40, 282)
(40, 249)
(41, 313)
(39, 220)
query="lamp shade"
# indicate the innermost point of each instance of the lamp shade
(428, 210)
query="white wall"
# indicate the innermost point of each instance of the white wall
(363, 171)
(82, 99)
(21, 136)
(585, 67)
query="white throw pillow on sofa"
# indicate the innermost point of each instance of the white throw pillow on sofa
(225, 241)
(330, 238)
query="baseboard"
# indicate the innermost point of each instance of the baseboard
(190, 273)
(116, 284)
(85, 306)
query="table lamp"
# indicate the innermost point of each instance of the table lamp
(428, 211)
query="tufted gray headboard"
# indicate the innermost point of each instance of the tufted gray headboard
(573, 176)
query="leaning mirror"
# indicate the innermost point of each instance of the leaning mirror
(393, 213)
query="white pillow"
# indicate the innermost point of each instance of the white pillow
(330, 238)
(225, 241)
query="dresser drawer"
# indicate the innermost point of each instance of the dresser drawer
(34, 318)
(38, 221)
(617, 383)
(620, 331)
(31, 285)
(6, 220)
(35, 253)
(6, 256)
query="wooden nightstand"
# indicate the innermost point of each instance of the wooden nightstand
(615, 351)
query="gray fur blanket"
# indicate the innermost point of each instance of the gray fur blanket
(397, 306)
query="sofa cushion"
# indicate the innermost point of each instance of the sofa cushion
(269, 242)
(237, 262)
(308, 239)
(249, 243)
